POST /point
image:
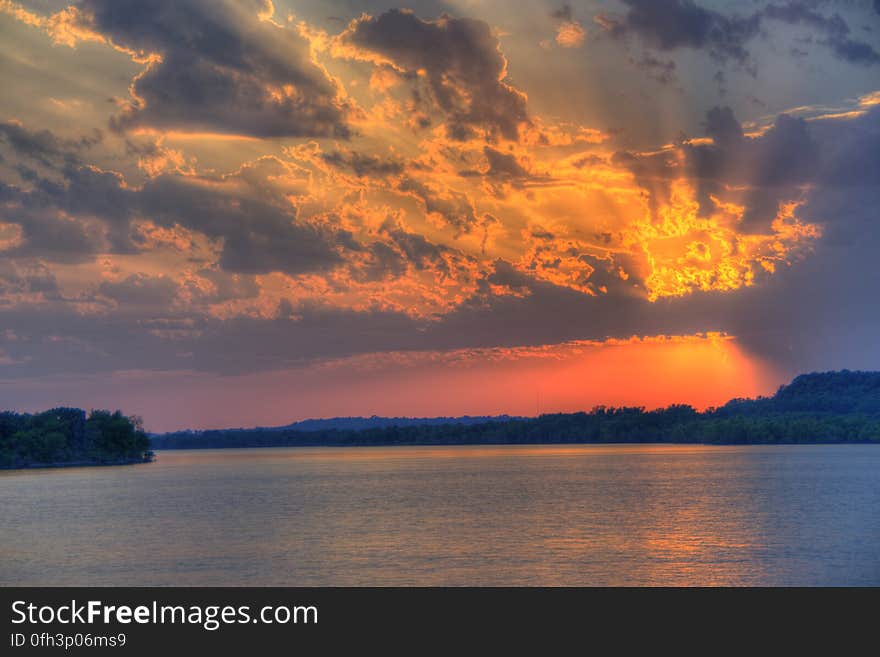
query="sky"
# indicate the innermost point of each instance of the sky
(223, 213)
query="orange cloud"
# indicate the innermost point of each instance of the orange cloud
(446, 178)
(686, 251)
(570, 34)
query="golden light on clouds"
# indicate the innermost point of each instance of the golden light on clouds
(570, 35)
(395, 182)
(686, 252)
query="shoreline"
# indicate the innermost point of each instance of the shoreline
(77, 464)
(522, 444)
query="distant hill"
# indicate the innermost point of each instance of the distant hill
(352, 424)
(830, 407)
(376, 422)
(826, 392)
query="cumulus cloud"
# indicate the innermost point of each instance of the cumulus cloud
(495, 229)
(90, 211)
(569, 33)
(460, 61)
(812, 315)
(798, 317)
(722, 126)
(258, 235)
(453, 207)
(211, 66)
(766, 169)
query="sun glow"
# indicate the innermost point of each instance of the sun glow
(687, 251)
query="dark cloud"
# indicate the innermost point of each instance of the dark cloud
(722, 126)
(771, 167)
(69, 215)
(672, 24)
(657, 69)
(226, 286)
(56, 238)
(835, 30)
(57, 218)
(88, 211)
(456, 209)
(564, 13)
(44, 146)
(141, 290)
(26, 278)
(504, 168)
(720, 79)
(416, 251)
(259, 236)
(462, 63)
(222, 69)
(363, 164)
(504, 165)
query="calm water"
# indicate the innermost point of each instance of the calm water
(584, 515)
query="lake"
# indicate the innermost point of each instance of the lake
(500, 515)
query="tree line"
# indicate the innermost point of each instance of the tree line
(831, 407)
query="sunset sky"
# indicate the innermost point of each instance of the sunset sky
(238, 212)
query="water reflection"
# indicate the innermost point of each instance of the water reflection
(554, 515)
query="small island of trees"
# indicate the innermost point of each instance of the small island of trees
(69, 436)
